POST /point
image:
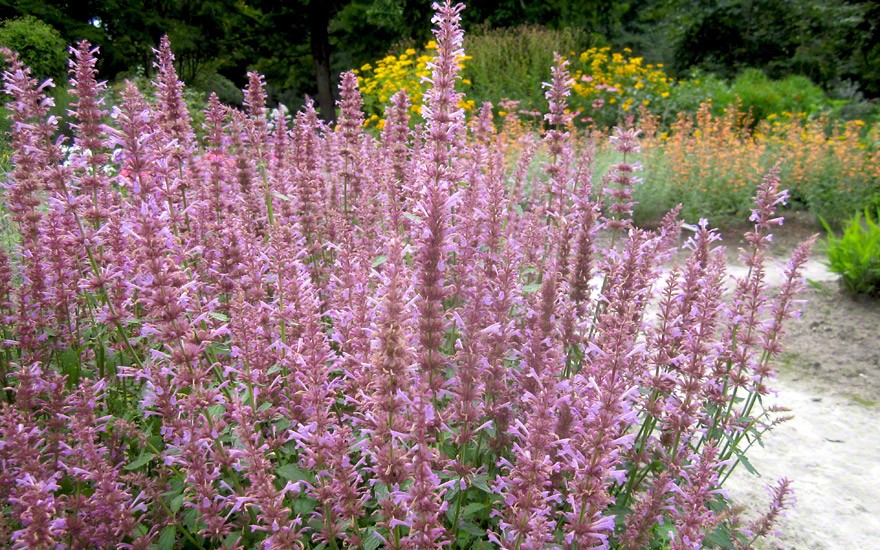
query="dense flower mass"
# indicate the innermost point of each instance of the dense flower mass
(711, 162)
(292, 335)
(609, 83)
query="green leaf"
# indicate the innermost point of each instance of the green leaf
(191, 519)
(381, 490)
(490, 430)
(529, 289)
(665, 531)
(379, 261)
(176, 503)
(139, 461)
(481, 483)
(746, 464)
(167, 537)
(304, 505)
(720, 537)
(372, 541)
(273, 369)
(231, 540)
(472, 509)
(474, 530)
(69, 360)
(219, 316)
(293, 473)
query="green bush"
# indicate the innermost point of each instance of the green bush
(38, 44)
(855, 256)
(756, 93)
(512, 63)
(225, 89)
(686, 96)
(762, 96)
(834, 195)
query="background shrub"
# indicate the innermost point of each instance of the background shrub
(513, 63)
(39, 45)
(760, 96)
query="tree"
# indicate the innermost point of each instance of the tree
(820, 39)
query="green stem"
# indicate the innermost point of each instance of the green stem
(270, 210)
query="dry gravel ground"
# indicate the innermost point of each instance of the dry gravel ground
(829, 376)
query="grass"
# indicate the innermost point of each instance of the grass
(860, 400)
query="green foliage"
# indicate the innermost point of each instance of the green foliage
(753, 91)
(225, 89)
(5, 149)
(512, 63)
(38, 44)
(835, 194)
(855, 255)
(821, 39)
(848, 102)
(761, 96)
(687, 95)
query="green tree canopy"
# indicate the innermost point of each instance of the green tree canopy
(38, 44)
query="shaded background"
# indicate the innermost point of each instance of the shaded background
(302, 46)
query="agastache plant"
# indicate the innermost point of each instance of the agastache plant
(289, 335)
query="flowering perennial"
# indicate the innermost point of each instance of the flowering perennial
(297, 336)
(833, 169)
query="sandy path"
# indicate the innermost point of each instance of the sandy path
(831, 449)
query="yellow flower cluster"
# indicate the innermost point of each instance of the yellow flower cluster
(610, 83)
(408, 71)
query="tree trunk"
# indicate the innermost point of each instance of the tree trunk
(319, 20)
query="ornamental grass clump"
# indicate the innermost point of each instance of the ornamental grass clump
(291, 335)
